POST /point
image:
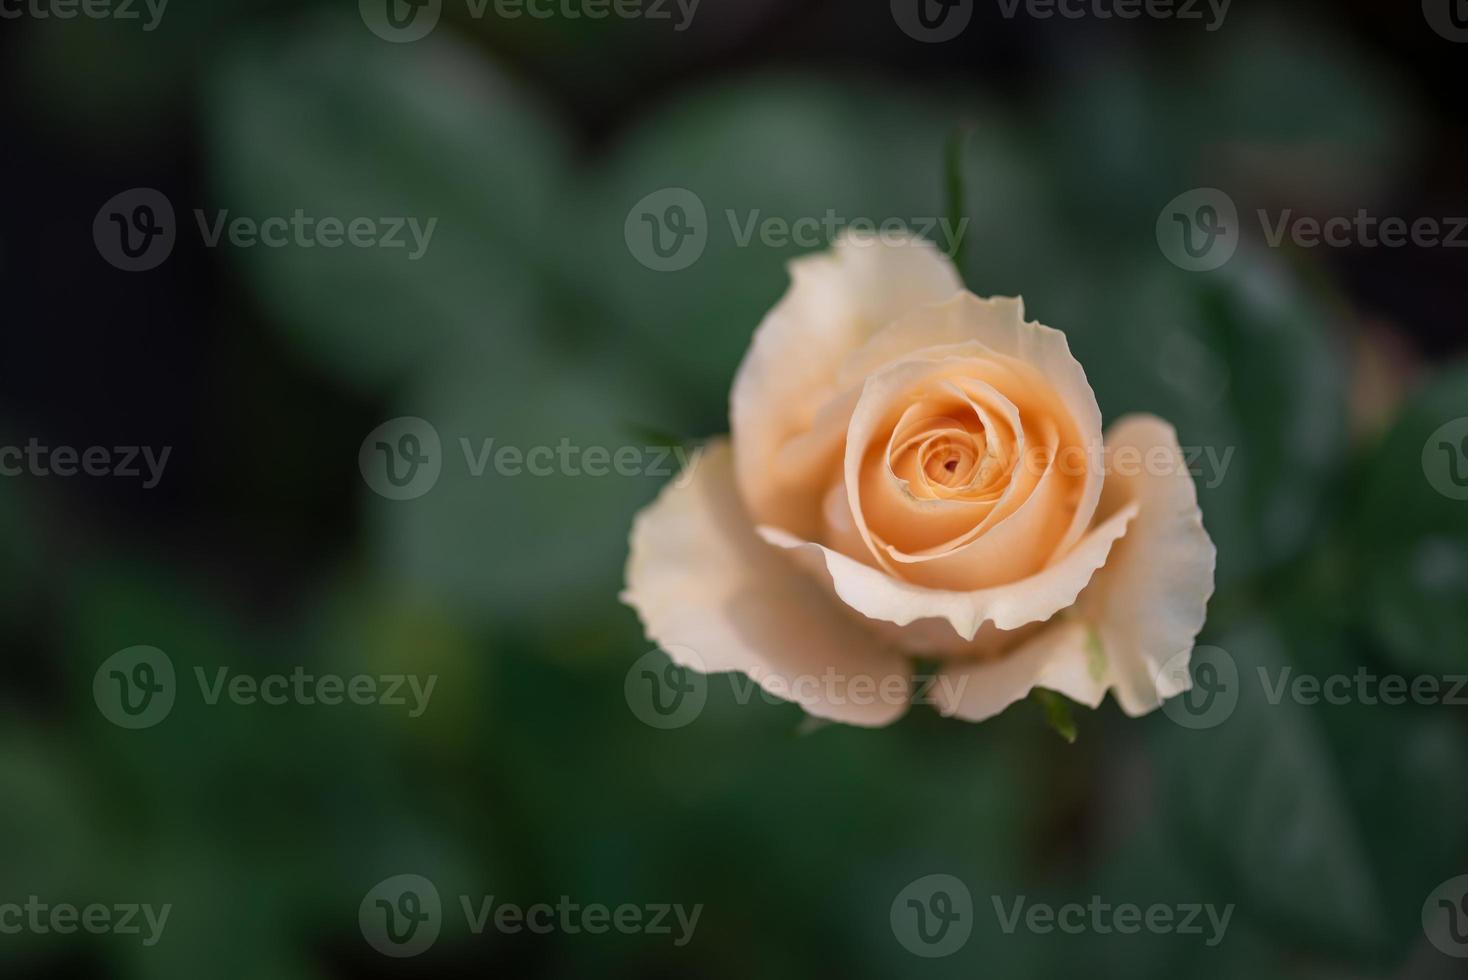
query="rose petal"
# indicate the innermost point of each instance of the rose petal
(1057, 659)
(1151, 599)
(1013, 548)
(876, 594)
(1000, 325)
(837, 300)
(700, 578)
(1145, 606)
(1012, 541)
(898, 512)
(840, 531)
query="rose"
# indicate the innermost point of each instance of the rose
(914, 471)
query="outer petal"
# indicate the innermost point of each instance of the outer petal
(699, 577)
(1143, 608)
(1000, 325)
(836, 301)
(1060, 658)
(876, 594)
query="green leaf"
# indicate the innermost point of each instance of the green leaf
(1409, 539)
(1057, 713)
(334, 122)
(1262, 813)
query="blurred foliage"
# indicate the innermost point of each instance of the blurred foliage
(335, 122)
(1414, 541)
(529, 322)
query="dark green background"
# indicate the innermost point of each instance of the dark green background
(529, 321)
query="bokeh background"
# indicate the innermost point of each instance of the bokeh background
(530, 320)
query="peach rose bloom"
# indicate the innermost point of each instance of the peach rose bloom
(917, 472)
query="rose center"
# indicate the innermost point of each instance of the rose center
(946, 449)
(949, 461)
